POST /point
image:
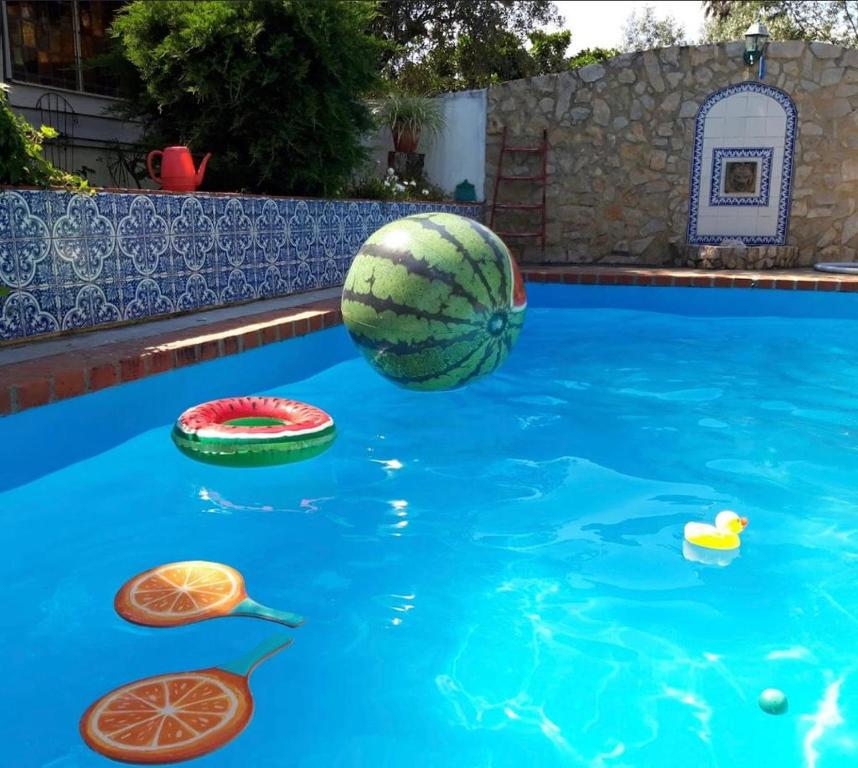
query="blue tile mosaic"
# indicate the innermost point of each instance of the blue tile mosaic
(76, 261)
(761, 154)
(693, 237)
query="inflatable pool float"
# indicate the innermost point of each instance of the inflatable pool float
(723, 535)
(837, 267)
(253, 431)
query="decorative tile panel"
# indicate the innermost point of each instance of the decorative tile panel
(77, 261)
(771, 224)
(762, 156)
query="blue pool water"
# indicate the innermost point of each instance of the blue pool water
(491, 577)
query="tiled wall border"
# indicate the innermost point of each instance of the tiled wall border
(75, 262)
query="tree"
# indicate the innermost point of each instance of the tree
(645, 31)
(450, 45)
(591, 56)
(548, 50)
(275, 89)
(717, 9)
(415, 29)
(830, 21)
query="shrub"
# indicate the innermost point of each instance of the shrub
(21, 158)
(275, 89)
(368, 185)
(591, 56)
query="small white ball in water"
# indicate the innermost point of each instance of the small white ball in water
(773, 701)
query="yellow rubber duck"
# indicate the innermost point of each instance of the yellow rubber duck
(723, 535)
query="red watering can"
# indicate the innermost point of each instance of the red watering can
(177, 169)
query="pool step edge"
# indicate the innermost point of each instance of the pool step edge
(52, 378)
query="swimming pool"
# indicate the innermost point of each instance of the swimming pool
(492, 576)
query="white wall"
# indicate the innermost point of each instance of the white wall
(459, 153)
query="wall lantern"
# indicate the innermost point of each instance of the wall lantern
(756, 39)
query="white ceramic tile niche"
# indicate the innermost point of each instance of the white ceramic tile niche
(752, 125)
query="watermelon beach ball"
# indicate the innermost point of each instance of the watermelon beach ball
(434, 301)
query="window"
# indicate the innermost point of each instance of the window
(96, 16)
(56, 42)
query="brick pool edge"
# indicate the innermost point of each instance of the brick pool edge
(789, 280)
(57, 377)
(52, 378)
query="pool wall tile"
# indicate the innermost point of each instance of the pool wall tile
(73, 262)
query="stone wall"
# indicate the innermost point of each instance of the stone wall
(70, 262)
(620, 143)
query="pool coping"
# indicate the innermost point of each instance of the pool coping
(777, 279)
(47, 378)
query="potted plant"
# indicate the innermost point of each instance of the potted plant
(409, 117)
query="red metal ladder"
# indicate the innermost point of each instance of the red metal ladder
(542, 151)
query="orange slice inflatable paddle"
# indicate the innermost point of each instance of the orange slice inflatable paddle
(178, 716)
(182, 593)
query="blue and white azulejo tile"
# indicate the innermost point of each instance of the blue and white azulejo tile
(79, 261)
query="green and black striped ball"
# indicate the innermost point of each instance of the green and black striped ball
(434, 301)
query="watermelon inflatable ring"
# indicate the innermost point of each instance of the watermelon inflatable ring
(253, 431)
(434, 301)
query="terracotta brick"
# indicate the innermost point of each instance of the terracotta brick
(69, 383)
(662, 279)
(766, 283)
(316, 323)
(743, 282)
(682, 280)
(785, 284)
(160, 360)
(101, 376)
(588, 278)
(329, 319)
(131, 369)
(209, 350)
(286, 330)
(624, 279)
(849, 286)
(722, 282)
(827, 285)
(187, 355)
(300, 327)
(5, 400)
(701, 281)
(229, 345)
(29, 394)
(249, 340)
(270, 334)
